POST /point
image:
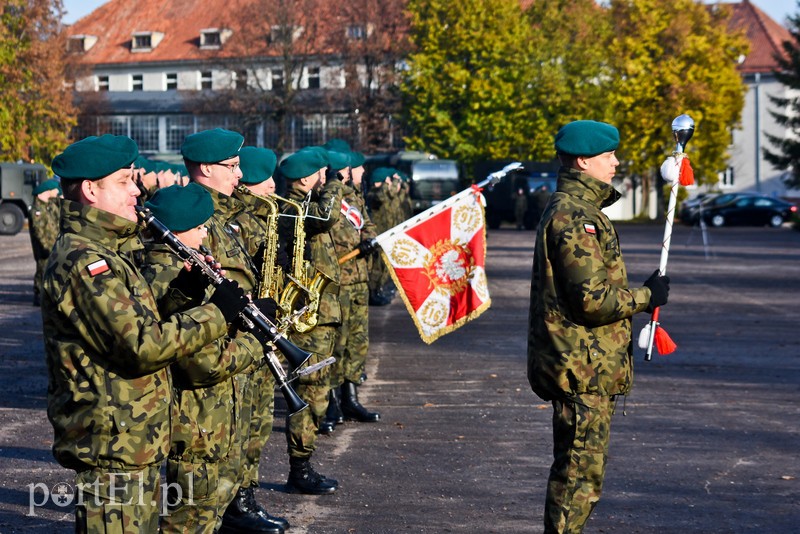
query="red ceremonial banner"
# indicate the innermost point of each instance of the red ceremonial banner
(437, 260)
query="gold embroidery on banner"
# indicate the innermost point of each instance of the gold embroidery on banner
(404, 252)
(449, 266)
(433, 313)
(467, 218)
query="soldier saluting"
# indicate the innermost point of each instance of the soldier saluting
(107, 347)
(579, 337)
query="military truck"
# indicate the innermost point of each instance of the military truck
(432, 180)
(17, 181)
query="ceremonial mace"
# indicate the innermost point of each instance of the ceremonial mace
(677, 170)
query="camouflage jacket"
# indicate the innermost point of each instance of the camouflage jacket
(346, 236)
(322, 215)
(379, 201)
(107, 348)
(226, 243)
(43, 225)
(579, 337)
(204, 407)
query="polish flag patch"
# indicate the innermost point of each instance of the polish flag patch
(98, 267)
(590, 229)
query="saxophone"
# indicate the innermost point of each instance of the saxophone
(298, 286)
(271, 279)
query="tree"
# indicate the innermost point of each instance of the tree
(465, 88)
(669, 58)
(36, 112)
(787, 150)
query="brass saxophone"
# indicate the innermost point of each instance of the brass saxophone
(271, 279)
(299, 287)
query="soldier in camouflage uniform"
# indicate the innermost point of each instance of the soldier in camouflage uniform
(204, 407)
(305, 172)
(353, 231)
(579, 340)
(108, 347)
(381, 201)
(258, 166)
(43, 227)
(212, 160)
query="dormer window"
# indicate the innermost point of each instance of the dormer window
(359, 32)
(145, 41)
(214, 38)
(78, 44)
(285, 33)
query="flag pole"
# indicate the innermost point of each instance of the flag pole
(492, 179)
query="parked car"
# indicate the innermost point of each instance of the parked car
(744, 209)
(690, 204)
(17, 182)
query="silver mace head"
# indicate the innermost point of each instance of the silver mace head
(682, 130)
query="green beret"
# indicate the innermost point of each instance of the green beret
(257, 164)
(381, 174)
(95, 157)
(403, 176)
(304, 163)
(47, 185)
(181, 208)
(338, 160)
(357, 159)
(337, 145)
(211, 146)
(586, 138)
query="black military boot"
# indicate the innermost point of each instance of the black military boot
(253, 504)
(303, 478)
(333, 415)
(352, 409)
(241, 516)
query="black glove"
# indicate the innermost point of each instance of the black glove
(659, 290)
(230, 299)
(268, 307)
(367, 247)
(192, 284)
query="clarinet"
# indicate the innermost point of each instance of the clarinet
(252, 318)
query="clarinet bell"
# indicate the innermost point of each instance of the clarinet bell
(294, 403)
(293, 354)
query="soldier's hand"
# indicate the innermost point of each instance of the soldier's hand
(230, 299)
(659, 290)
(191, 282)
(268, 307)
(367, 247)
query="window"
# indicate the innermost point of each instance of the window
(142, 41)
(285, 33)
(137, 82)
(726, 178)
(206, 80)
(102, 83)
(78, 44)
(313, 77)
(172, 81)
(356, 31)
(214, 38)
(240, 80)
(277, 78)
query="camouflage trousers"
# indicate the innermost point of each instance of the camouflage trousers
(262, 412)
(192, 497)
(581, 430)
(301, 428)
(110, 501)
(231, 474)
(352, 344)
(37, 277)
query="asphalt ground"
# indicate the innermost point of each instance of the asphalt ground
(709, 443)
